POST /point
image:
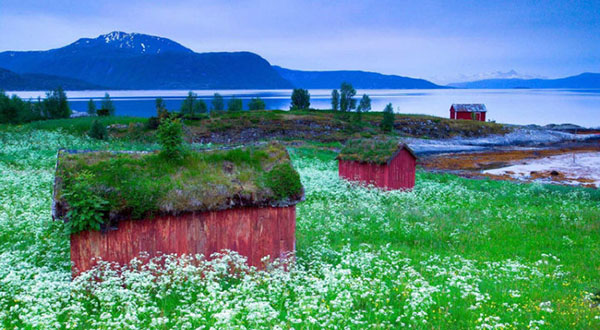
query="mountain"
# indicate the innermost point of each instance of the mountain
(137, 61)
(131, 43)
(10, 81)
(120, 60)
(359, 79)
(511, 74)
(584, 80)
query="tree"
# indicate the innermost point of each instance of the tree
(170, 136)
(14, 110)
(300, 99)
(56, 104)
(347, 92)
(188, 107)
(217, 102)
(335, 100)
(9, 111)
(161, 107)
(98, 131)
(256, 103)
(235, 104)
(363, 106)
(200, 106)
(107, 105)
(91, 107)
(387, 123)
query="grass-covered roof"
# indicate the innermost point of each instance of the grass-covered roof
(140, 185)
(378, 150)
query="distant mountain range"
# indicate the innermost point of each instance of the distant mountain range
(511, 74)
(359, 79)
(119, 60)
(584, 80)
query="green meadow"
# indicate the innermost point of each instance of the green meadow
(453, 253)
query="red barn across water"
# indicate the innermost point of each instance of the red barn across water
(386, 164)
(468, 111)
(239, 199)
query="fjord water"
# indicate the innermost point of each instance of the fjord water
(513, 106)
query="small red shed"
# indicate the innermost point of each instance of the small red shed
(468, 111)
(385, 163)
(121, 204)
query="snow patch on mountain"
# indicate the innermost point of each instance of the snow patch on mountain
(132, 42)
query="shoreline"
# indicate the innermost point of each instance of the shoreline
(553, 163)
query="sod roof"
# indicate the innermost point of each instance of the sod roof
(376, 150)
(137, 185)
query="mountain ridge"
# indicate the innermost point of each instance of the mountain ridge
(12, 81)
(358, 78)
(120, 60)
(583, 80)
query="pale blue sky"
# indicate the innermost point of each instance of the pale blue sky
(439, 40)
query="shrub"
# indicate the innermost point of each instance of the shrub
(284, 181)
(300, 99)
(170, 135)
(234, 104)
(86, 208)
(256, 103)
(103, 112)
(98, 131)
(153, 123)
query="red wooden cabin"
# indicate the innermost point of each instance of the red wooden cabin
(255, 226)
(468, 111)
(385, 164)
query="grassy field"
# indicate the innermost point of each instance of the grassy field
(451, 254)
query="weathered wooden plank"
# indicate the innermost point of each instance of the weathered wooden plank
(252, 232)
(399, 173)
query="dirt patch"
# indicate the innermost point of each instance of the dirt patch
(479, 164)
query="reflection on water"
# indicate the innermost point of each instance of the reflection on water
(515, 106)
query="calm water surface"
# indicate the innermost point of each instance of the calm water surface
(521, 106)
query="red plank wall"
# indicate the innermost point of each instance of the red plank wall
(480, 116)
(252, 232)
(399, 174)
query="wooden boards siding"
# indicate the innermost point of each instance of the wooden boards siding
(252, 232)
(399, 173)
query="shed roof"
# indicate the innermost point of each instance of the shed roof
(469, 107)
(377, 150)
(141, 184)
